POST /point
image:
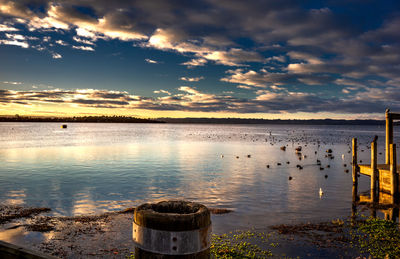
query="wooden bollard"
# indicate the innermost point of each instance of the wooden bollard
(394, 177)
(374, 171)
(172, 229)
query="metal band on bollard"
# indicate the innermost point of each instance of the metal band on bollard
(171, 242)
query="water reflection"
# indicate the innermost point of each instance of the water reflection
(387, 206)
(16, 197)
(92, 168)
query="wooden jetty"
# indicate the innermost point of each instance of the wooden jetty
(384, 177)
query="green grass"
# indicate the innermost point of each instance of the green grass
(241, 244)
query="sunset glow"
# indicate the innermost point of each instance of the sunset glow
(259, 59)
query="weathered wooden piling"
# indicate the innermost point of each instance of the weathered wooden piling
(389, 135)
(394, 176)
(354, 162)
(354, 205)
(374, 171)
(172, 229)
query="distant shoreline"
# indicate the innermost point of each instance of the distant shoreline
(84, 119)
(123, 119)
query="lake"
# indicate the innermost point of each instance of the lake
(93, 168)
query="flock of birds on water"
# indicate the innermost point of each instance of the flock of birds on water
(305, 139)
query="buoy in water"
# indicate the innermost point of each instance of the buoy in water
(320, 192)
(64, 126)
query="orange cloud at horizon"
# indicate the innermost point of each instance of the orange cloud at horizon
(188, 102)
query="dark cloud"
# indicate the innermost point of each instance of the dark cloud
(93, 101)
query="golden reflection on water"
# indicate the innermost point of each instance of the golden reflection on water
(13, 235)
(16, 197)
(201, 173)
(147, 164)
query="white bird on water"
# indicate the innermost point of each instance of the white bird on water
(320, 192)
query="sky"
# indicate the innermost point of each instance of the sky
(337, 59)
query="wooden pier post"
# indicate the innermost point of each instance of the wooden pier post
(394, 177)
(374, 171)
(389, 134)
(354, 163)
(354, 205)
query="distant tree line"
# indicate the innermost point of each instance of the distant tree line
(276, 121)
(125, 119)
(88, 119)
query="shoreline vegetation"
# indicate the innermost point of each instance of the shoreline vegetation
(109, 234)
(127, 119)
(85, 119)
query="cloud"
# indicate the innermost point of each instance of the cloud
(244, 87)
(233, 57)
(64, 16)
(83, 97)
(174, 41)
(192, 99)
(83, 41)
(162, 91)
(5, 27)
(296, 45)
(12, 83)
(191, 79)
(263, 78)
(150, 61)
(195, 62)
(280, 58)
(85, 48)
(56, 55)
(61, 42)
(21, 44)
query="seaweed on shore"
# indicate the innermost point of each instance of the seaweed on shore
(333, 234)
(10, 212)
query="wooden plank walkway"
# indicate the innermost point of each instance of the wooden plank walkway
(365, 169)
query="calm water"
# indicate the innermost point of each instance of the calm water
(93, 168)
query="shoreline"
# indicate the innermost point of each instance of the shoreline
(109, 234)
(239, 121)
